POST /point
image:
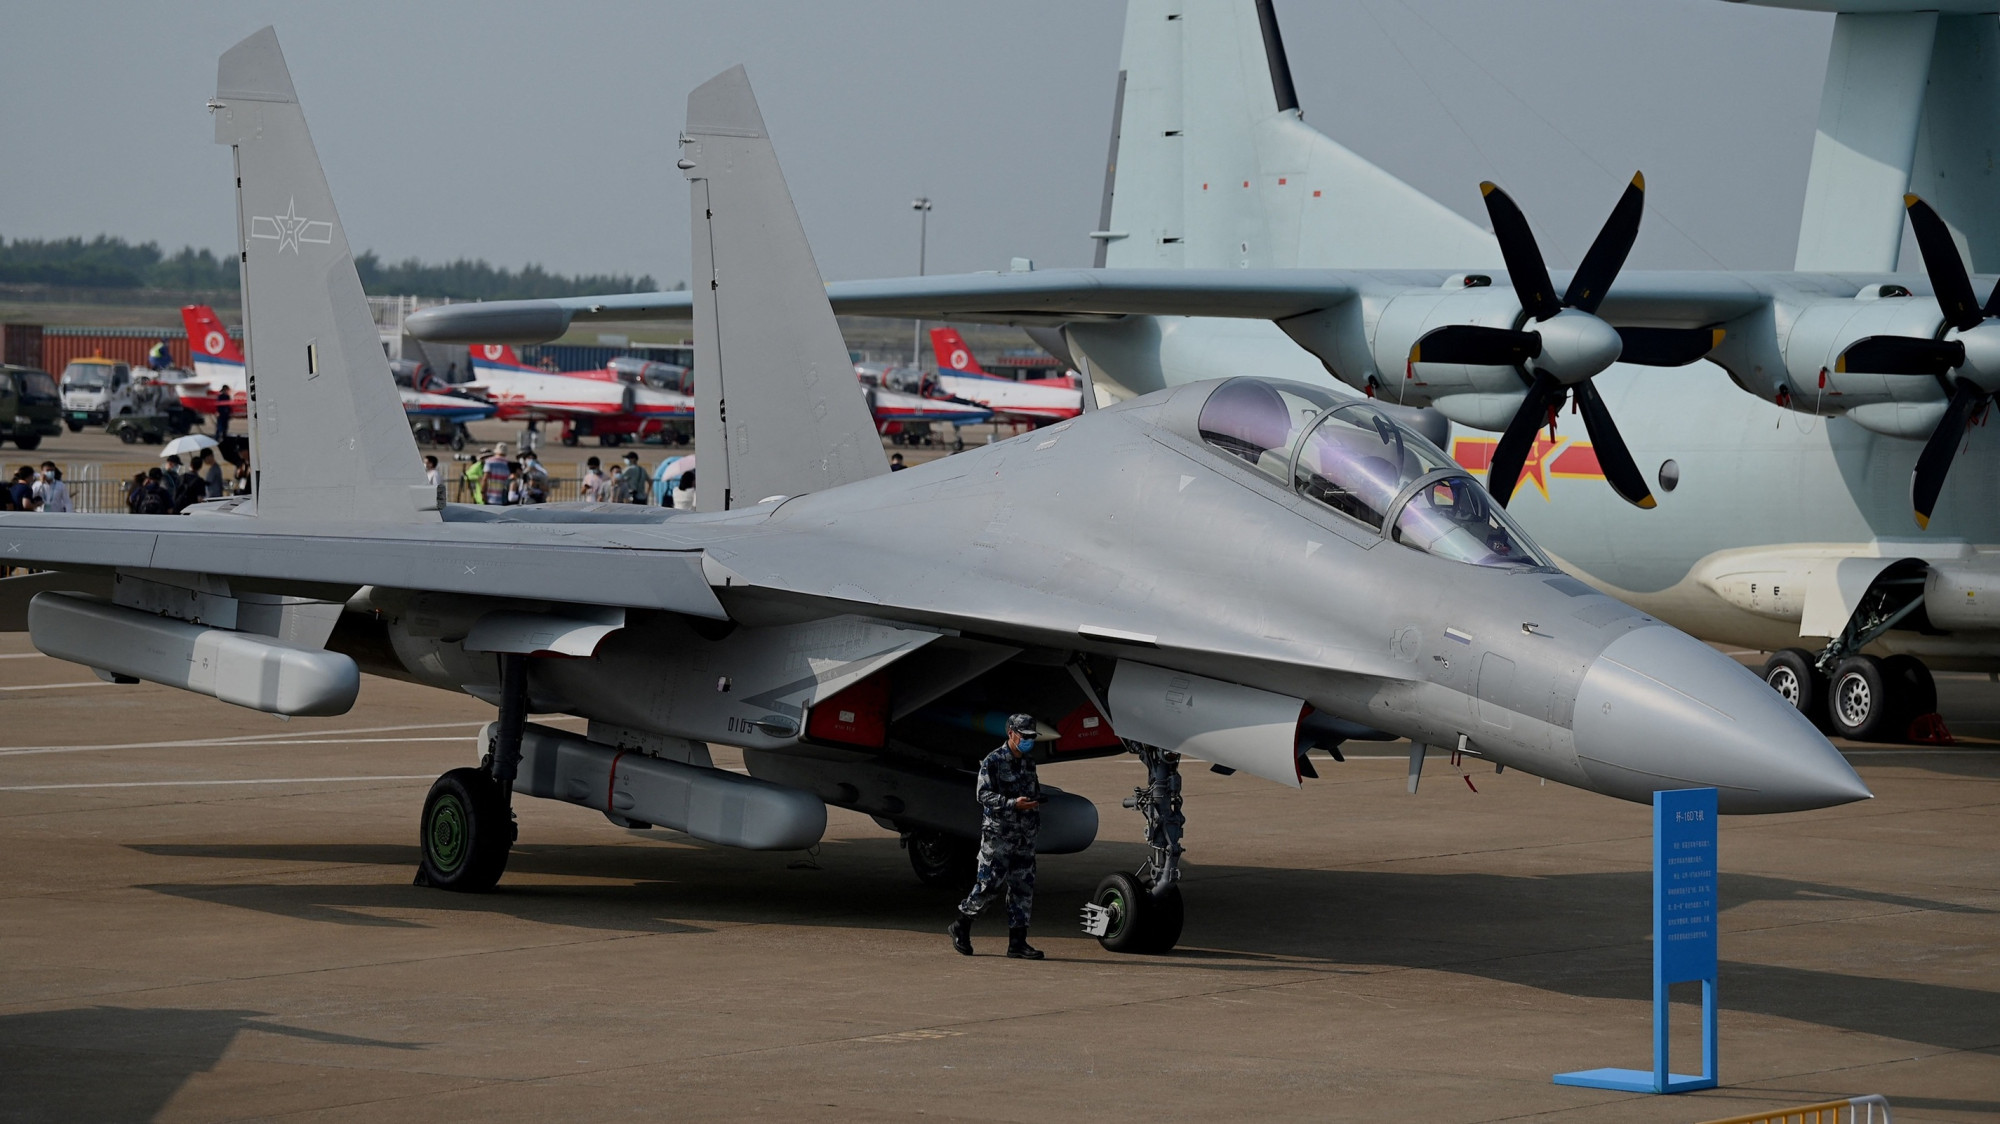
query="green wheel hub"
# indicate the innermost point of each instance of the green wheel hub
(447, 836)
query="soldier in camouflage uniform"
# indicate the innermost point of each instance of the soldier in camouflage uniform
(1010, 801)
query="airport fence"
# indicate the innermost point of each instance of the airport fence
(1826, 1112)
(99, 489)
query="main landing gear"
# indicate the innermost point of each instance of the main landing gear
(1851, 695)
(468, 822)
(1142, 912)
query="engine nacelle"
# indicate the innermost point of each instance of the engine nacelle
(1825, 329)
(1408, 317)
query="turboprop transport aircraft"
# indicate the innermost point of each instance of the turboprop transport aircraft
(1090, 573)
(1234, 237)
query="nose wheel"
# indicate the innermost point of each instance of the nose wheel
(1143, 912)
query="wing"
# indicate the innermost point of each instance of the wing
(1654, 299)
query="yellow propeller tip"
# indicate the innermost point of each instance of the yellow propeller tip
(1649, 503)
(1416, 353)
(1715, 337)
(1911, 200)
(1639, 180)
(1840, 365)
(1923, 521)
(1488, 187)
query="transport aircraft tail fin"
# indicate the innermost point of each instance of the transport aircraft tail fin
(208, 338)
(775, 395)
(953, 353)
(1213, 166)
(329, 436)
(1908, 106)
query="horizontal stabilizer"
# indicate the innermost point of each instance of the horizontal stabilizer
(777, 395)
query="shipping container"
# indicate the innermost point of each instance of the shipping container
(23, 346)
(127, 345)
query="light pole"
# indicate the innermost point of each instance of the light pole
(922, 206)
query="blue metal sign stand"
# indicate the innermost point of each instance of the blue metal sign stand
(1684, 922)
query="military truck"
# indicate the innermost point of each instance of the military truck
(30, 408)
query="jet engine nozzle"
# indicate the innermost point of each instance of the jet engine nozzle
(1659, 709)
(1576, 345)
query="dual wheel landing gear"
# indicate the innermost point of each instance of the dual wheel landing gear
(1861, 697)
(468, 822)
(1143, 912)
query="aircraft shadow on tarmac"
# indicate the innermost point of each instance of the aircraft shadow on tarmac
(1582, 935)
(124, 1063)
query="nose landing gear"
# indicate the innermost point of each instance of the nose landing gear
(1143, 912)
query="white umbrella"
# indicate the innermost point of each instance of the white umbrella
(188, 446)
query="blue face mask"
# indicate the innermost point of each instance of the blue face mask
(1026, 745)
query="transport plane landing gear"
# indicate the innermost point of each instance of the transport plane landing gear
(468, 821)
(1143, 912)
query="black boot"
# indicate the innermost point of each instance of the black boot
(961, 935)
(1018, 947)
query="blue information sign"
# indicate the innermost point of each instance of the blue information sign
(1684, 923)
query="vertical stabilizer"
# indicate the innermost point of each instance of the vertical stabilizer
(328, 432)
(1869, 109)
(1214, 166)
(778, 411)
(1960, 136)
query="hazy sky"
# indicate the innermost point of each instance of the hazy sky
(523, 132)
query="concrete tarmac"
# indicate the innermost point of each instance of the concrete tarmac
(206, 914)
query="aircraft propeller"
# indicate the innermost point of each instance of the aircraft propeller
(1967, 359)
(1565, 346)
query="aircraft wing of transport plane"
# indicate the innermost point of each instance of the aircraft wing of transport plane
(1089, 573)
(219, 378)
(597, 402)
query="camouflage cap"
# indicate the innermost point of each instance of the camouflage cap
(1022, 724)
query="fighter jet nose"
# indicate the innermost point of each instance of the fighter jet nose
(1659, 709)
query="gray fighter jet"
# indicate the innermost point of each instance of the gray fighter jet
(1238, 571)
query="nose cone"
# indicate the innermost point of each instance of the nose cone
(1659, 709)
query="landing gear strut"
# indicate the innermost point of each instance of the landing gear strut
(468, 822)
(1143, 912)
(1853, 695)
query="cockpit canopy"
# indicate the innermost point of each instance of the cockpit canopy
(1355, 459)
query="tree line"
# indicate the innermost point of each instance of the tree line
(105, 262)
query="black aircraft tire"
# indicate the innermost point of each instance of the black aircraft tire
(1140, 922)
(944, 861)
(1791, 673)
(1859, 702)
(1911, 690)
(1164, 918)
(465, 833)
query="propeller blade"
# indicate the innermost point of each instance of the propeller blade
(1927, 481)
(1900, 355)
(1511, 453)
(1946, 268)
(1667, 347)
(1530, 276)
(1471, 344)
(1612, 455)
(1600, 267)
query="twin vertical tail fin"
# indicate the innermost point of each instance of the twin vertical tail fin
(329, 436)
(775, 396)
